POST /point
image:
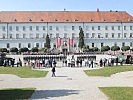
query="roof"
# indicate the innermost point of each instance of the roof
(65, 16)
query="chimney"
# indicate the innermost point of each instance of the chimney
(97, 9)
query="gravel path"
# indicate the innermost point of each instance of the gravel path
(69, 84)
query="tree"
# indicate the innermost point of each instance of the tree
(125, 48)
(115, 48)
(35, 49)
(14, 49)
(3, 50)
(43, 50)
(47, 44)
(105, 48)
(95, 49)
(81, 38)
(24, 49)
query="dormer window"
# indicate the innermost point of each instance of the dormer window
(76, 20)
(15, 20)
(42, 20)
(56, 20)
(67, 20)
(91, 19)
(30, 20)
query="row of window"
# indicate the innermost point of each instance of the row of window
(57, 28)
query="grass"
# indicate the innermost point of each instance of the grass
(108, 71)
(16, 94)
(23, 72)
(118, 93)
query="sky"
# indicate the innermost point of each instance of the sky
(69, 5)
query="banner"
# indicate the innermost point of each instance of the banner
(58, 42)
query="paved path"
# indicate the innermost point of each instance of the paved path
(70, 84)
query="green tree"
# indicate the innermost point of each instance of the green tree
(95, 49)
(3, 50)
(47, 44)
(105, 48)
(115, 48)
(81, 38)
(125, 48)
(25, 49)
(14, 49)
(35, 49)
(85, 48)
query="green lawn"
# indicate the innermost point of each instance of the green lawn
(108, 71)
(118, 93)
(23, 72)
(16, 94)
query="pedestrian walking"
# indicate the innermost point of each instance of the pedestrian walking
(53, 72)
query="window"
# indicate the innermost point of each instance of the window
(123, 44)
(87, 35)
(57, 28)
(3, 36)
(73, 35)
(119, 28)
(50, 35)
(101, 44)
(125, 27)
(131, 44)
(10, 36)
(37, 45)
(43, 35)
(10, 28)
(87, 27)
(106, 35)
(17, 28)
(24, 35)
(131, 27)
(19, 45)
(37, 35)
(80, 27)
(65, 35)
(3, 28)
(37, 28)
(92, 44)
(125, 35)
(57, 35)
(29, 45)
(99, 35)
(24, 28)
(92, 27)
(43, 28)
(115, 44)
(30, 28)
(106, 27)
(119, 35)
(112, 35)
(131, 35)
(31, 36)
(50, 27)
(112, 27)
(93, 35)
(98, 27)
(17, 36)
(73, 28)
(8, 45)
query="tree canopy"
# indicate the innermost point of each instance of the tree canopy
(125, 48)
(47, 44)
(115, 48)
(81, 38)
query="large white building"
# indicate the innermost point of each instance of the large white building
(29, 28)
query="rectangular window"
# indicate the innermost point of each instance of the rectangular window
(17, 36)
(8, 45)
(112, 27)
(17, 28)
(30, 28)
(43, 28)
(50, 35)
(10, 36)
(115, 44)
(131, 35)
(92, 27)
(131, 44)
(3, 28)
(73, 28)
(123, 44)
(98, 27)
(106, 27)
(101, 44)
(125, 35)
(119, 28)
(57, 28)
(106, 35)
(65, 35)
(125, 27)
(10, 28)
(119, 35)
(37, 45)
(93, 35)
(73, 35)
(24, 28)
(43, 35)
(24, 36)
(57, 35)
(131, 27)
(112, 35)
(37, 28)
(37, 35)
(31, 36)
(92, 44)
(19, 45)
(99, 35)
(87, 35)
(50, 27)
(29, 45)
(3, 36)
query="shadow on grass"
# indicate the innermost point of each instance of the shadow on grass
(16, 94)
(49, 94)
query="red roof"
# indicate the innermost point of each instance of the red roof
(65, 16)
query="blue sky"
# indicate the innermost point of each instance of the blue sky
(59, 5)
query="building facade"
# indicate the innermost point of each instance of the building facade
(101, 28)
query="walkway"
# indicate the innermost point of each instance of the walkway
(70, 84)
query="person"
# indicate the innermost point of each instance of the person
(54, 63)
(53, 72)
